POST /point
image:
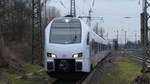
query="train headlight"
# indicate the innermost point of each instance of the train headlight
(67, 20)
(51, 55)
(77, 55)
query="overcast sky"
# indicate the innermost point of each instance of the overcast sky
(113, 12)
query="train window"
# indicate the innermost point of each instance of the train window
(102, 47)
(88, 39)
(65, 33)
(99, 47)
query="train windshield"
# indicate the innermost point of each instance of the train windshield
(65, 31)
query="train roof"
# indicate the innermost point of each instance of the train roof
(62, 18)
(97, 38)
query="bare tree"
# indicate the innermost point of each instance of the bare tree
(52, 12)
(15, 25)
(15, 18)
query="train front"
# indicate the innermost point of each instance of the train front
(64, 49)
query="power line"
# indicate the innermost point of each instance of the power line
(62, 3)
(93, 3)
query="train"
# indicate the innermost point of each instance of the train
(71, 46)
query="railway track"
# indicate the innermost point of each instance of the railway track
(80, 81)
(139, 58)
(60, 81)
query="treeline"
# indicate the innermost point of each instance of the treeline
(15, 19)
(16, 30)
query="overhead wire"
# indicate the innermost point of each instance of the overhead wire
(91, 8)
(62, 3)
(93, 3)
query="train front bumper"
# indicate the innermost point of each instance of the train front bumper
(65, 65)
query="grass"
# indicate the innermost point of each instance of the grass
(36, 78)
(124, 71)
(7, 76)
(29, 68)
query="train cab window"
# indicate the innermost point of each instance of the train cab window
(88, 39)
(65, 31)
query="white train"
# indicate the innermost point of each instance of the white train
(71, 46)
